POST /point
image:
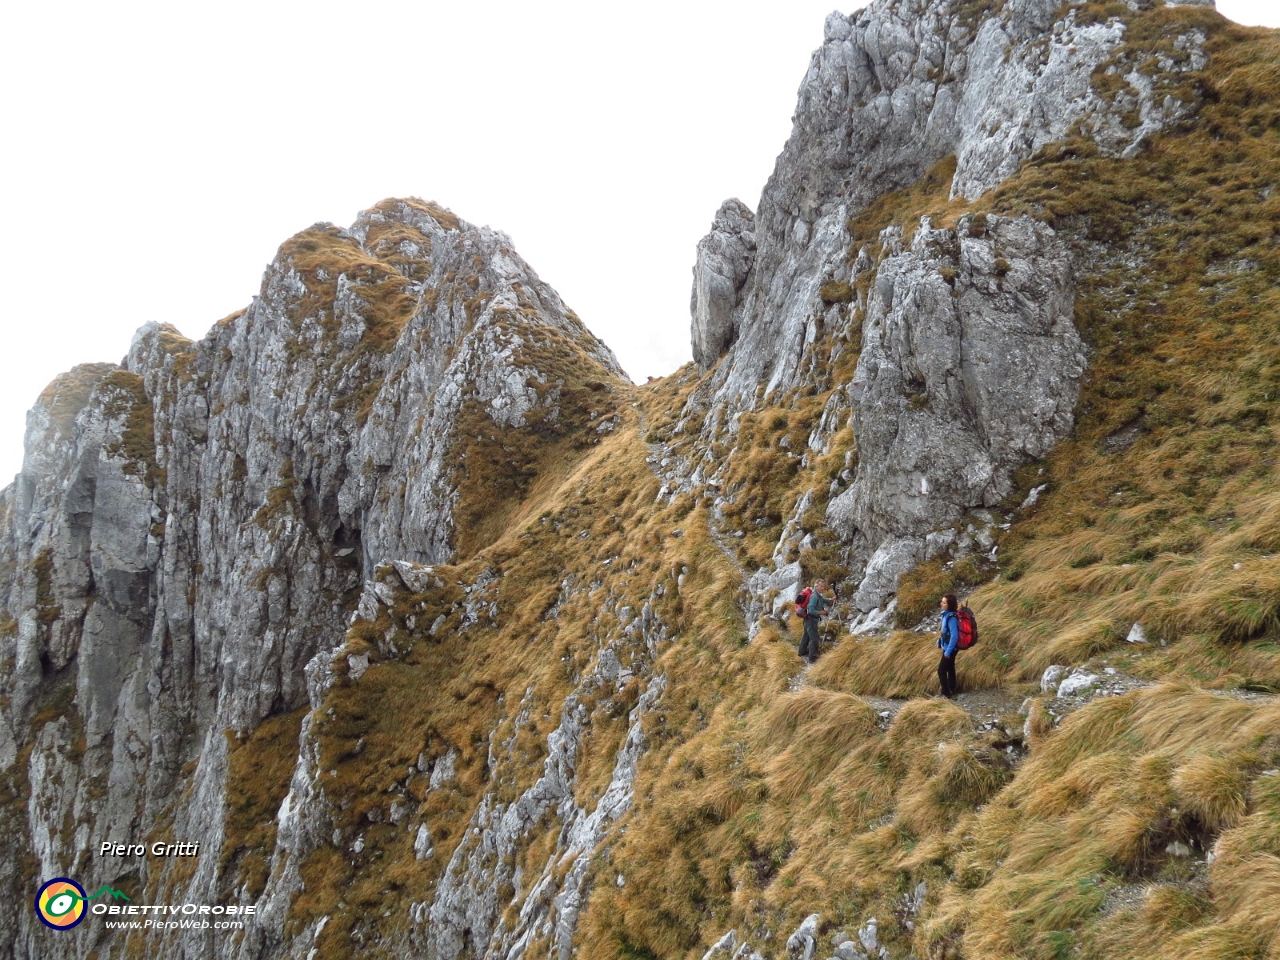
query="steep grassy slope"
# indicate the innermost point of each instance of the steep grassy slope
(1160, 510)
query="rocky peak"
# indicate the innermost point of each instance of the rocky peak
(188, 527)
(943, 410)
(725, 256)
(895, 88)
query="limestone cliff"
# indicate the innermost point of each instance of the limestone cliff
(895, 90)
(189, 528)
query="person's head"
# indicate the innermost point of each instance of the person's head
(949, 602)
(821, 586)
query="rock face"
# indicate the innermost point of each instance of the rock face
(942, 410)
(725, 256)
(187, 527)
(894, 89)
(466, 915)
(970, 364)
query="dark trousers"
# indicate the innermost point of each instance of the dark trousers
(809, 642)
(947, 675)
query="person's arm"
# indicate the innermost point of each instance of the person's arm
(953, 642)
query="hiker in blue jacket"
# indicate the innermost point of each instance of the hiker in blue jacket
(818, 604)
(949, 643)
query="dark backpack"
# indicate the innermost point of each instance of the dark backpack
(802, 603)
(968, 628)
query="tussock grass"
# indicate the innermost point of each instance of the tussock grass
(1160, 510)
(497, 469)
(322, 253)
(1094, 808)
(259, 769)
(1213, 788)
(67, 394)
(904, 664)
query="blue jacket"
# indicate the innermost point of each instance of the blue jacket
(949, 642)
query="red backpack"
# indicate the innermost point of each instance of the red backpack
(802, 602)
(968, 628)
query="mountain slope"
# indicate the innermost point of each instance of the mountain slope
(451, 643)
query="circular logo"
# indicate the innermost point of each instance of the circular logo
(60, 903)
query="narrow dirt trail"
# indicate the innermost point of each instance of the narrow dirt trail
(988, 708)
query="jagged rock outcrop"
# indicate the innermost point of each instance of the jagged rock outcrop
(895, 88)
(725, 256)
(188, 528)
(970, 364)
(466, 909)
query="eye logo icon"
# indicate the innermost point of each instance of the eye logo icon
(60, 904)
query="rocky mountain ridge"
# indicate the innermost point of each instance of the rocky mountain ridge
(189, 526)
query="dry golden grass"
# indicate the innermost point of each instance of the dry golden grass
(1094, 808)
(779, 802)
(259, 769)
(502, 473)
(1213, 788)
(904, 664)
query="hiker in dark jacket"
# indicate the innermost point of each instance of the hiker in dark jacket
(949, 643)
(818, 604)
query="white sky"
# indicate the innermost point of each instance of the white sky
(156, 154)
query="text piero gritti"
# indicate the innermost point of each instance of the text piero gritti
(183, 848)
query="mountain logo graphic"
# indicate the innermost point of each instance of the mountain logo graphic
(60, 903)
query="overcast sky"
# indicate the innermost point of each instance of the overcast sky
(157, 154)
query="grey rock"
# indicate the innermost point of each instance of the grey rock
(1076, 684)
(875, 620)
(1137, 634)
(417, 578)
(784, 582)
(1052, 676)
(724, 260)
(180, 539)
(422, 843)
(802, 943)
(970, 364)
(894, 88)
(868, 935)
(891, 560)
(357, 665)
(1033, 496)
(913, 902)
(443, 770)
(725, 946)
